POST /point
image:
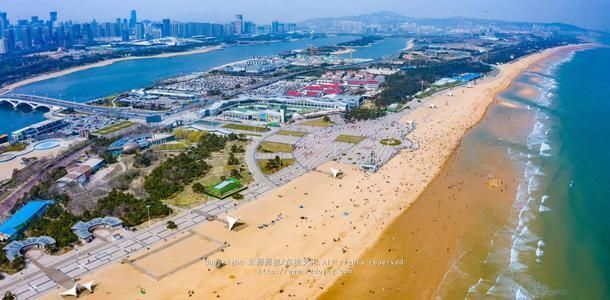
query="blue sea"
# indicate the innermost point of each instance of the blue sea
(556, 243)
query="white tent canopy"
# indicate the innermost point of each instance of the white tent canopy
(77, 288)
(88, 286)
(336, 172)
(232, 221)
(71, 292)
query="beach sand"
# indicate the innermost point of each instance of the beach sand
(316, 217)
(7, 89)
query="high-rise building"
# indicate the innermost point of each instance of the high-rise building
(133, 20)
(276, 27)
(3, 23)
(140, 31)
(238, 24)
(165, 28)
(53, 16)
(87, 32)
(117, 27)
(292, 27)
(249, 28)
(2, 46)
(26, 37)
(9, 37)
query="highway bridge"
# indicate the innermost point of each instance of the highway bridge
(35, 102)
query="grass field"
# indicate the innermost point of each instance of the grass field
(292, 133)
(352, 139)
(114, 127)
(390, 142)
(219, 168)
(263, 162)
(272, 147)
(318, 123)
(172, 147)
(14, 148)
(245, 127)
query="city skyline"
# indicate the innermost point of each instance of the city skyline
(592, 14)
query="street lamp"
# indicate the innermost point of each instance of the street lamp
(148, 211)
(77, 257)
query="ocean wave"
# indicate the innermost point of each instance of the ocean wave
(539, 251)
(544, 149)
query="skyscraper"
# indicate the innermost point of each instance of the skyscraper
(2, 46)
(275, 27)
(117, 27)
(53, 16)
(3, 23)
(239, 24)
(165, 28)
(133, 20)
(26, 37)
(139, 31)
(9, 37)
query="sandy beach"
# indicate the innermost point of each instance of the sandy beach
(7, 89)
(318, 227)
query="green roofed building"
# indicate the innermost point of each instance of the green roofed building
(225, 188)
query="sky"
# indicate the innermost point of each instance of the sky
(594, 14)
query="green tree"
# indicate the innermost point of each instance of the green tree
(199, 188)
(171, 225)
(9, 296)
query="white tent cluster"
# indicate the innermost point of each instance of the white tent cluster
(77, 289)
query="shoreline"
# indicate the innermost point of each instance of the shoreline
(535, 58)
(314, 222)
(9, 88)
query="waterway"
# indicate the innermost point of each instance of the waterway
(123, 76)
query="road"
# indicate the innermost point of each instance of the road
(82, 107)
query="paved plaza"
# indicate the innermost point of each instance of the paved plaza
(46, 272)
(319, 146)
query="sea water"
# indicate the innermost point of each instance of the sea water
(556, 243)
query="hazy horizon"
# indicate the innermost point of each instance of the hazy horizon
(594, 14)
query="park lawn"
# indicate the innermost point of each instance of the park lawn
(115, 127)
(273, 147)
(177, 146)
(390, 142)
(318, 123)
(352, 139)
(263, 162)
(17, 147)
(291, 133)
(218, 168)
(245, 127)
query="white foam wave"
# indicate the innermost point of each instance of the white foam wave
(539, 251)
(544, 149)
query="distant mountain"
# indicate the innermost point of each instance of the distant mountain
(382, 17)
(387, 17)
